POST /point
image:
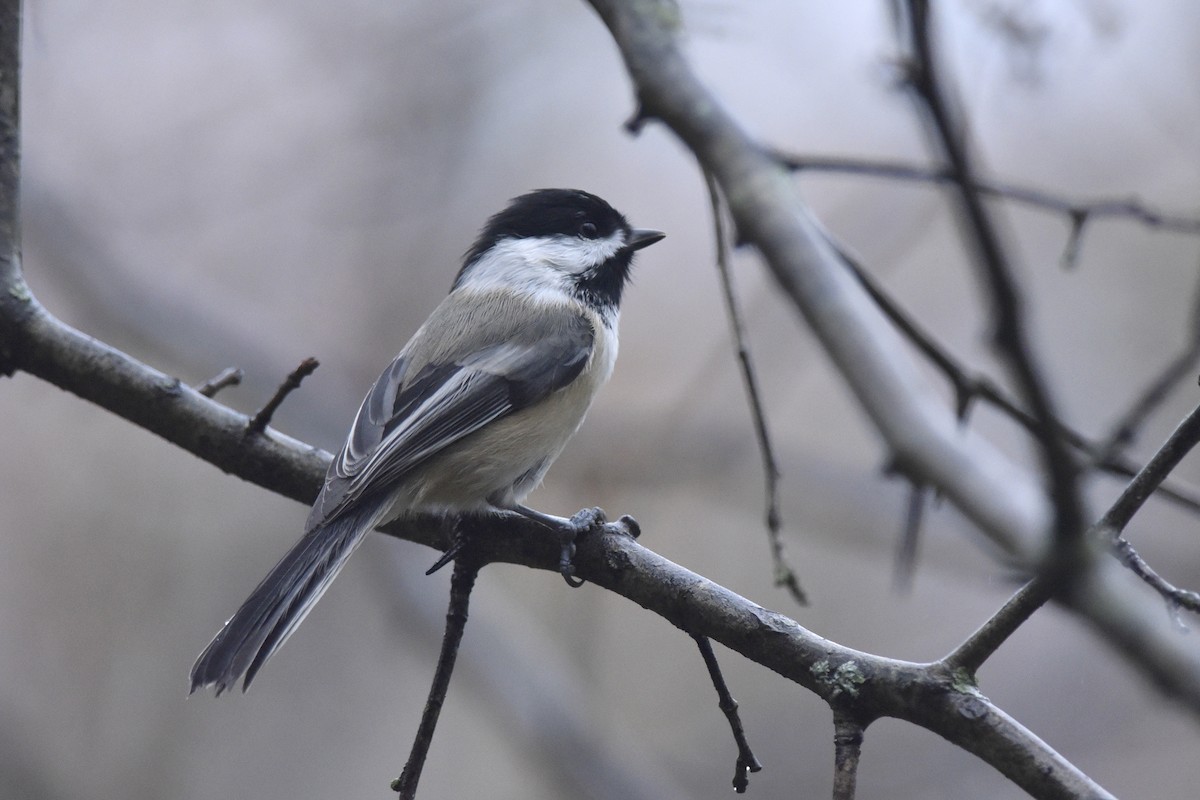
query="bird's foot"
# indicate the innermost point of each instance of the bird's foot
(588, 519)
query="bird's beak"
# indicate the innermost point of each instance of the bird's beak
(643, 237)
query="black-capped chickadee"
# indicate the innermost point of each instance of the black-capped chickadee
(470, 414)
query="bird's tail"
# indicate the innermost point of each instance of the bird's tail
(281, 601)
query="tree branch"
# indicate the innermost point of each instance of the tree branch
(864, 345)
(258, 423)
(1008, 317)
(979, 646)
(784, 573)
(12, 286)
(847, 748)
(970, 387)
(230, 376)
(747, 762)
(610, 559)
(927, 695)
(461, 584)
(971, 654)
(1181, 441)
(1007, 503)
(870, 355)
(1072, 209)
(40, 344)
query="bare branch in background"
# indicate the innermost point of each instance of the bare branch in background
(1152, 397)
(1006, 503)
(1077, 212)
(867, 351)
(971, 654)
(785, 575)
(970, 387)
(1008, 315)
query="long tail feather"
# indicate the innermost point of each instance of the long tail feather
(280, 602)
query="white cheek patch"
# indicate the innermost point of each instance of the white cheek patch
(540, 264)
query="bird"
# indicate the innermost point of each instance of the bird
(470, 415)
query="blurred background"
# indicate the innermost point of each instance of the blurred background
(250, 183)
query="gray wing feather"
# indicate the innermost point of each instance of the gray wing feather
(406, 419)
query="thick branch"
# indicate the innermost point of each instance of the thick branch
(41, 345)
(928, 695)
(874, 686)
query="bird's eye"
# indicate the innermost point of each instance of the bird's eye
(588, 230)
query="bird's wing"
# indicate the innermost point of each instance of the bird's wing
(406, 419)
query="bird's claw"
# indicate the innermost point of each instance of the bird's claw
(566, 567)
(581, 522)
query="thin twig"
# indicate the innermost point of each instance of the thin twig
(969, 387)
(1124, 467)
(1176, 598)
(1007, 308)
(785, 575)
(230, 376)
(1125, 430)
(746, 762)
(1178, 444)
(1078, 212)
(971, 654)
(980, 645)
(461, 583)
(847, 748)
(263, 418)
